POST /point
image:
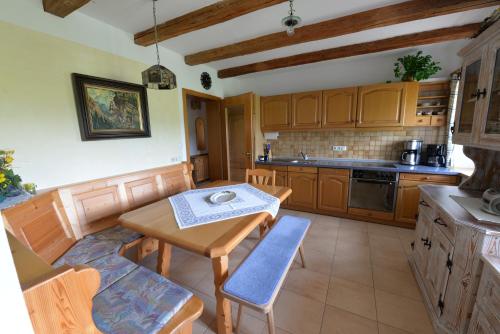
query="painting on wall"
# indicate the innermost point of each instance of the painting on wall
(110, 109)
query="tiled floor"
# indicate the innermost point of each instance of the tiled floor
(357, 281)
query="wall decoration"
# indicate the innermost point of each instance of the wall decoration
(206, 80)
(110, 109)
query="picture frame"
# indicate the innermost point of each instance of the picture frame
(110, 109)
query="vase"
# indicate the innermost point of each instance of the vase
(408, 78)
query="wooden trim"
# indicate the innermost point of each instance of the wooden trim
(207, 16)
(62, 8)
(421, 38)
(370, 19)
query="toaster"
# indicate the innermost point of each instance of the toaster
(491, 201)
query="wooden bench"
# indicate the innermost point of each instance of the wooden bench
(77, 225)
(258, 279)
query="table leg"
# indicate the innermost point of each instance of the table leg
(224, 320)
(164, 255)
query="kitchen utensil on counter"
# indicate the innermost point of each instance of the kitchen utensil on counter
(491, 201)
(412, 152)
(436, 155)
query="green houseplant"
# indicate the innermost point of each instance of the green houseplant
(10, 182)
(415, 67)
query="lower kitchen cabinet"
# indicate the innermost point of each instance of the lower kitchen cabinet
(333, 190)
(304, 190)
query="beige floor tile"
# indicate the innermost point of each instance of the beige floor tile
(320, 243)
(307, 283)
(192, 272)
(199, 327)
(320, 262)
(353, 236)
(403, 313)
(249, 324)
(385, 329)
(346, 250)
(380, 229)
(297, 314)
(349, 224)
(353, 297)
(392, 260)
(337, 321)
(360, 272)
(385, 243)
(278, 331)
(397, 282)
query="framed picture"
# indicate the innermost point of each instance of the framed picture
(110, 109)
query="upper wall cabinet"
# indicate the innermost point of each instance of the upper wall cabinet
(275, 112)
(339, 108)
(306, 110)
(381, 105)
(477, 120)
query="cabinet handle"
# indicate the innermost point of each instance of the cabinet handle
(424, 203)
(440, 222)
(483, 93)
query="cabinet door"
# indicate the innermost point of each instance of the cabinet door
(421, 249)
(339, 108)
(304, 190)
(468, 104)
(306, 110)
(479, 324)
(333, 192)
(490, 121)
(407, 202)
(381, 105)
(437, 273)
(275, 112)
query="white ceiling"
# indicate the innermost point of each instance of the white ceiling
(136, 15)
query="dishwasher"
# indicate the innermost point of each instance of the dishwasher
(373, 190)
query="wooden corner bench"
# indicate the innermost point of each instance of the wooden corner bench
(75, 228)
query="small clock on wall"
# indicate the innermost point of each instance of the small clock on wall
(206, 80)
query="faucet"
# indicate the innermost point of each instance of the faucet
(304, 156)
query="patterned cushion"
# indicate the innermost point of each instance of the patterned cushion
(118, 232)
(86, 250)
(112, 268)
(141, 302)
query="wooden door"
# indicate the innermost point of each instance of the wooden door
(438, 271)
(381, 105)
(239, 142)
(333, 190)
(217, 164)
(275, 112)
(420, 246)
(306, 110)
(304, 190)
(339, 108)
(407, 201)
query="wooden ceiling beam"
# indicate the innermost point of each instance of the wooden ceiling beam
(421, 38)
(62, 8)
(375, 18)
(219, 12)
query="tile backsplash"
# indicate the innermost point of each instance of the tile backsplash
(384, 145)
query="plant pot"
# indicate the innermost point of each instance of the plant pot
(408, 78)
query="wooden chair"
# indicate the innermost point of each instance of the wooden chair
(261, 176)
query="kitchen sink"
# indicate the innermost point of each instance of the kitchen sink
(295, 161)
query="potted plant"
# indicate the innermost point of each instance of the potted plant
(415, 67)
(10, 183)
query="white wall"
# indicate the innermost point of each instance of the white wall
(353, 71)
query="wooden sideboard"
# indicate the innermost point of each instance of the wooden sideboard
(446, 257)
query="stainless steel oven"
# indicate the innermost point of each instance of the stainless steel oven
(373, 190)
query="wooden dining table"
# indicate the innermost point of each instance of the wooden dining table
(215, 241)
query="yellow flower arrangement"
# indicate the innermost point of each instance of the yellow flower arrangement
(10, 182)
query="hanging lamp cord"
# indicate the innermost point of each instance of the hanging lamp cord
(291, 8)
(156, 33)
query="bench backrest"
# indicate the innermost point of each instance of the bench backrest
(41, 225)
(88, 204)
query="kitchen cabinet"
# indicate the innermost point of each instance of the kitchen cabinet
(333, 190)
(421, 244)
(275, 112)
(477, 120)
(306, 110)
(200, 167)
(339, 108)
(304, 190)
(382, 105)
(431, 104)
(281, 176)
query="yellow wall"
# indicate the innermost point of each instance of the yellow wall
(38, 115)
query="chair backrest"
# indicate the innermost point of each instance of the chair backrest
(41, 224)
(260, 176)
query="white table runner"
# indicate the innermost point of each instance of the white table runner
(192, 208)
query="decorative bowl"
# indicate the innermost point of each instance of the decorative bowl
(222, 197)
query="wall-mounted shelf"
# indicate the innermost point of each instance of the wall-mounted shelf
(437, 93)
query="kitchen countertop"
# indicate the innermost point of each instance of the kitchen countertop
(386, 166)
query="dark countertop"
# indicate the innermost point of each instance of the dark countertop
(386, 166)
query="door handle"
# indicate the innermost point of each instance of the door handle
(248, 154)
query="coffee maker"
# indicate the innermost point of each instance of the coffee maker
(411, 153)
(436, 155)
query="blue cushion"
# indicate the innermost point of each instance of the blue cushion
(257, 278)
(86, 250)
(119, 233)
(141, 302)
(112, 268)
